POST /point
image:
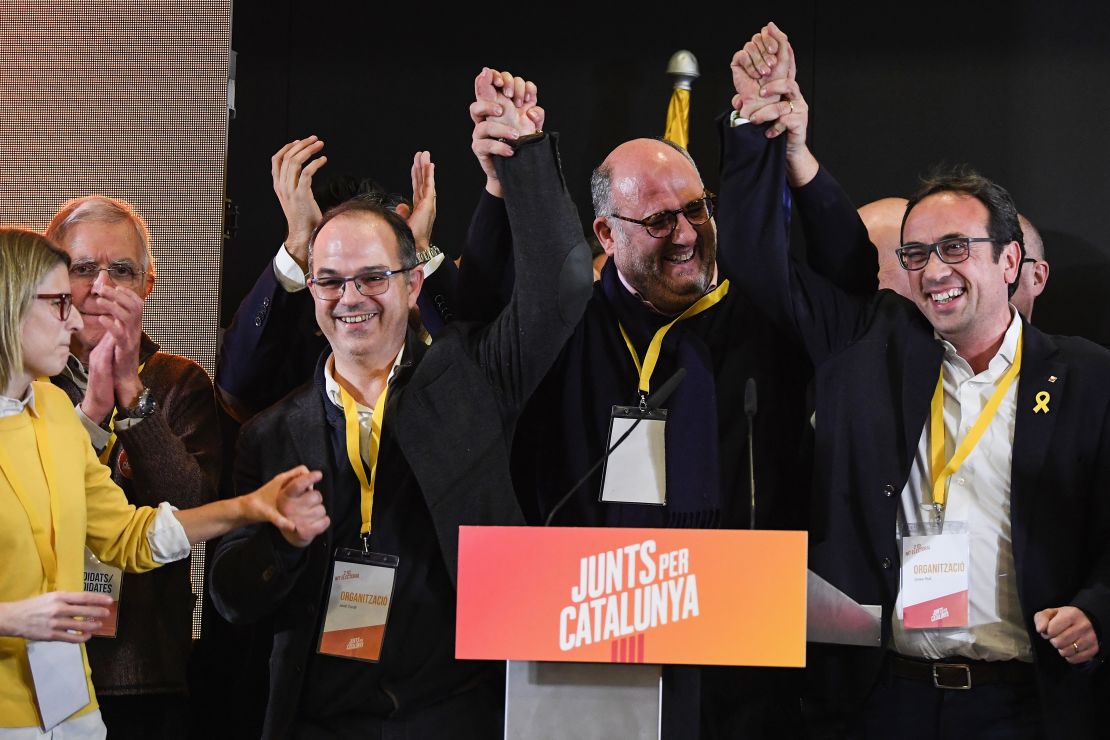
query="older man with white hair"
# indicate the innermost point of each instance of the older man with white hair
(151, 417)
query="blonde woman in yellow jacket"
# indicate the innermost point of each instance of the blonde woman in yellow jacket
(56, 497)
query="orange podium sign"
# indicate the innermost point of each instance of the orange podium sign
(611, 595)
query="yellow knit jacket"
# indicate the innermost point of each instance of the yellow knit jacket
(92, 511)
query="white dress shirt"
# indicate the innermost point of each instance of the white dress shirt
(978, 496)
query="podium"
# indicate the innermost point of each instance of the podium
(585, 617)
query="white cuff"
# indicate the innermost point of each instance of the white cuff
(736, 119)
(289, 274)
(166, 537)
(98, 435)
(433, 264)
(127, 423)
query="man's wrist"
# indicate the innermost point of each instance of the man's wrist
(801, 168)
(97, 416)
(525, 139)
(298, 247)
(128, 392)
(143, 406)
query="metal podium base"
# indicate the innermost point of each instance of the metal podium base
(584, 701)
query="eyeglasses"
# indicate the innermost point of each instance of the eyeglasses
(330, 288)
(661, 225)
(64, 302)
(949, 251)
(121, 273)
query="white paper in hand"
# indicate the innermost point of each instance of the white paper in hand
(59, 675)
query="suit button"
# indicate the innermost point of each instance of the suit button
(888, 490)
(268, 574)
(886, 563)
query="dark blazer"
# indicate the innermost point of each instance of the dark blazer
(452, 409)
(876, 364)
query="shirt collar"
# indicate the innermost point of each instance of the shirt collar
(1006, 352)
(331, 385)
(75, 371)
(15, 406)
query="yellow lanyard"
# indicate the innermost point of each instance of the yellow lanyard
(940, 470)
(107, 451)
(350, 414)
(44, 543)
(707, 301)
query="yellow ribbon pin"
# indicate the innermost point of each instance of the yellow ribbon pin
(1042, 402)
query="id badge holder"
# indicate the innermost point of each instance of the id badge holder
(105, 579)
(358, 604)
(636, 472)
(935, 568)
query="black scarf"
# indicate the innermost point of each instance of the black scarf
(691, 437)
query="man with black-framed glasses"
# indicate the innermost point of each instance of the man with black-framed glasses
(662, 304)
(955, 442)
(413, 440)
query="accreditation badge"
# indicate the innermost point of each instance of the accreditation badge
(636, 472)
(358, 604)
(935, 566)
(105, 579)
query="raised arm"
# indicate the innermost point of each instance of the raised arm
(505, 108)
(271, 345)
(755, 169)
(837, 242)
(550, 257)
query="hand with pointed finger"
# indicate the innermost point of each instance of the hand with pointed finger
(1069, 630)
(58, 616)
(504, 107)
(290, 503)
(292, 174)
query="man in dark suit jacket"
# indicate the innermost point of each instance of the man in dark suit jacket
(441, 462)
(652, 216)
(1031, 491)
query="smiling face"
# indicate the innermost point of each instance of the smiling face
(44, 337)
(647, 177)
(364, 331)
(101, 244)
(967, 302)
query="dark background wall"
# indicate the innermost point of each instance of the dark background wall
(1019, 90)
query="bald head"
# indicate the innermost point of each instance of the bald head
(632, 163)
(1034, 271)
(646, 178)
(1034, 245)
(883, 219)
